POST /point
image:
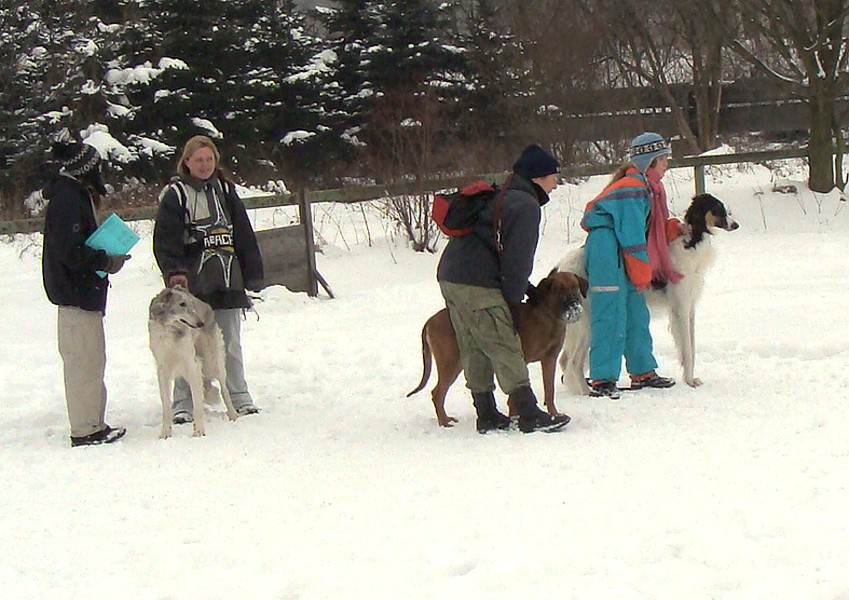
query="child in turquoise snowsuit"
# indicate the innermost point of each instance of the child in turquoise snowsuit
(618, 269)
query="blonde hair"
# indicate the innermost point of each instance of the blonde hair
(620, 172)
(623, 168)
(195, 143)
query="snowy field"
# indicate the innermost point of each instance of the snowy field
(343, 488)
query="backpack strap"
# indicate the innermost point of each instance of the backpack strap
(183, 197)
(181, 194)
(497, 210)
(180, 188)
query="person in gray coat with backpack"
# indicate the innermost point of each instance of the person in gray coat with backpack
(483, 277)
(204, 242)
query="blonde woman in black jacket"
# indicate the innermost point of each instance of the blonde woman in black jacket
(203, 241)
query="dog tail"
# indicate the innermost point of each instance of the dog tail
(427, 362)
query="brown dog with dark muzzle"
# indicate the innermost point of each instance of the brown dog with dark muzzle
(542, 327)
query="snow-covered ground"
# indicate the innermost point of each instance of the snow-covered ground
(344, 488)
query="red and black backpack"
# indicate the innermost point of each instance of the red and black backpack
(457, 212)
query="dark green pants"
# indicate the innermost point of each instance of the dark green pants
(488, 344)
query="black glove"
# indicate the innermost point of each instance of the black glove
(531, 293)
(516, 314)
(115, 262)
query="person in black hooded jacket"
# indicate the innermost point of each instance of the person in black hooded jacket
(204, 242)
(483, 281)
(71, 281)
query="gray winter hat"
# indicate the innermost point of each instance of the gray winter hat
(645, 148)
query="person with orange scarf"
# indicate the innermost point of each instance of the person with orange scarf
(627, 250)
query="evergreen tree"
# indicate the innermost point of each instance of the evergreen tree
(246, 74)
(401, 77)
(280, 95)
(497, 91)
(349, 26)
(56, 52)
(16, 107)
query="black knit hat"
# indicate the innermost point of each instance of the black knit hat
(76, 158)
(535, 162)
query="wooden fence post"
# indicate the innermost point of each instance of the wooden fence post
(306, 221)
(315, 277)
(699, 176)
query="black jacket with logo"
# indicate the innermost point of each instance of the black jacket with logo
(202, 230)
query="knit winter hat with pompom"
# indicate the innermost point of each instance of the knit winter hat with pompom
(76, 158)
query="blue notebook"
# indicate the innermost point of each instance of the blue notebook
(113, 236)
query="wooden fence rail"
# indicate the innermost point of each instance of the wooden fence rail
(355, 194)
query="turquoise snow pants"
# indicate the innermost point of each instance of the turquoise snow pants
(619, 319)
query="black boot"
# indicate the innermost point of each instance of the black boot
(653, 380)
(488, 416)
(531, 417)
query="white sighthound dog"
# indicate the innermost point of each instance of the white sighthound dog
(692, 255)
(186, 342)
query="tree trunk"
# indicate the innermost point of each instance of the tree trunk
(707, 101)
(839, 151)
(820, 146)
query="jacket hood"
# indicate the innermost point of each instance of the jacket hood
(57, 183)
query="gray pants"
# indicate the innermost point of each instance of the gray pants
(488, 344)
(82, 346)
(230, 322)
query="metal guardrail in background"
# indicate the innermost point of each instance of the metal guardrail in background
(353, 194)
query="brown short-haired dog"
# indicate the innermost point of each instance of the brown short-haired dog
(542, 329)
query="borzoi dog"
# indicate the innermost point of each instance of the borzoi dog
(692, 255)
(186, 342)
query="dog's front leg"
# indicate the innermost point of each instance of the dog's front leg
(165, 383)
(573, 356)
(549, 368)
